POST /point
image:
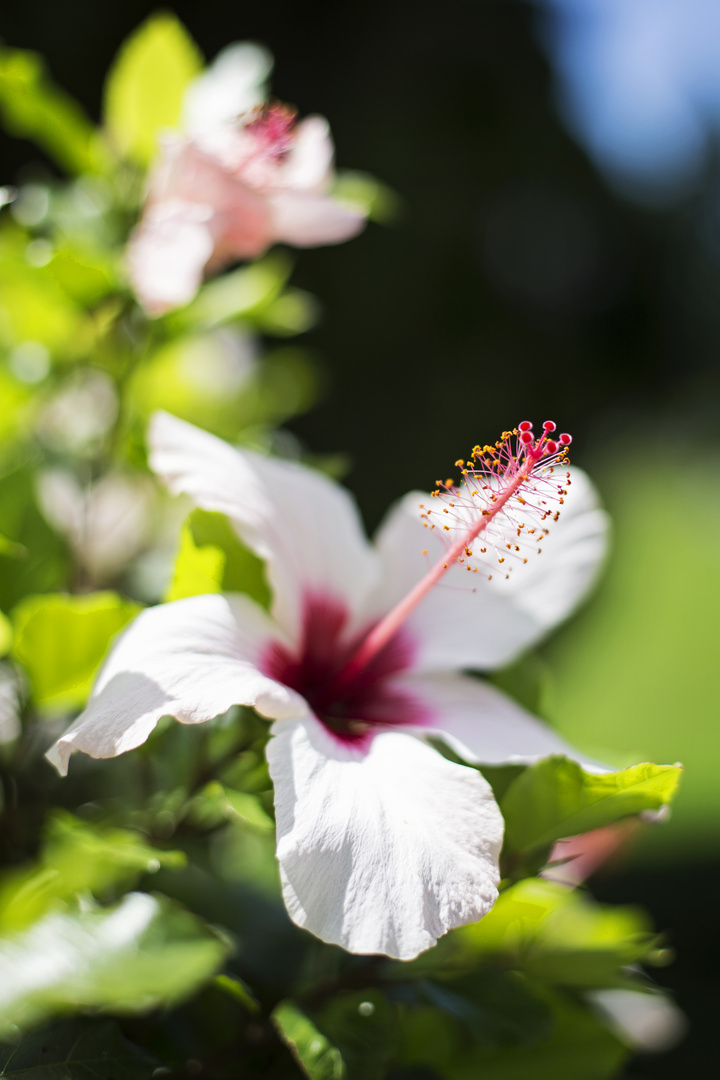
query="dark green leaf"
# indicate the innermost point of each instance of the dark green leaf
(363, 1025)
(75, 1050)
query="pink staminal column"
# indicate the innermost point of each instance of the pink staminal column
(509, 464)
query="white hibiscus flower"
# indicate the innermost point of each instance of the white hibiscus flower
(384, 844)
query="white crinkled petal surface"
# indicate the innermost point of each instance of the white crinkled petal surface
(381, 850)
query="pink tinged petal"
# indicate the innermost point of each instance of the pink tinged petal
(482, 724)
(308, 164)
(469, 621)
(191, 659)
(381, 850)
(310, 219)
(304, 526)
(167, 256)
(197, 216)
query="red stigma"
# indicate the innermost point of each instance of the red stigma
(273, 126)
(551, 447)
(526, 437)
(565, 439)
(525, 426)
(549, 425)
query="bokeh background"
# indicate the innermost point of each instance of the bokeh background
(556, 253)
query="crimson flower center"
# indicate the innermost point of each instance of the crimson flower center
(350, 709)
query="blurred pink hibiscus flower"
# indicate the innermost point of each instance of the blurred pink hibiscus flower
(229, 192)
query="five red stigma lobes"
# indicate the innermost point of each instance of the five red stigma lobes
(514, 487)
(509, 493)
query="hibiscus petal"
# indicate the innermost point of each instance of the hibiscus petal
(191, 659)
(382, 850)
(167, 255)
(231, 85)
(308, 218)
(467, 620)
(309, 161)
(482, 724)
(305, 527)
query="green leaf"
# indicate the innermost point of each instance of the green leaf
(362, 1024)
(145, 86)
(76, 858)
(315, 1054)
(527, 680)
(32, 107)
(140, 954)
(61, 640)
(557, 935)
(237, 990)
(213, 559)
(580, 1048)
(373, 198)
(244, 292)
(6, 634)
(76, 1050)
(556, 798)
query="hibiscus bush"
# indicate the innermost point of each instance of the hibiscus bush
(315, 825)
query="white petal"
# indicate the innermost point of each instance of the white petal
(304, 526)
(468, 621)
(647, 1022)
(309, 162)
(191, 659)
(167, 255)
(308, 219)
(234, 83)
(482, 724)
(381, 850)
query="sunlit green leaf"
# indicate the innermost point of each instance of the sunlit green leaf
(61, 640)
(141, 953)
(33, 107)
(82, 276)
(370, 196)
(145, 86)
(237, 990)
(242, 292)
(317, 1056)
(6, 634)
(213, 559)
(557, 935)
(77, 857)
(75, 1050)
(36, 309)
(556, 798)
